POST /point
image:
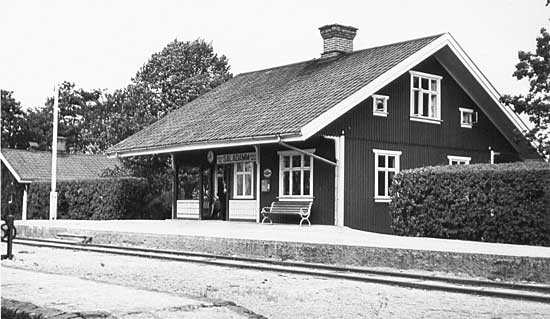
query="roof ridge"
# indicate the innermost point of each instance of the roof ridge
(348, 54)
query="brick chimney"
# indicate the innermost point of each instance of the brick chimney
(61, 145)
(337, 39)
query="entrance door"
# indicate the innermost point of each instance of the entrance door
(221, 191)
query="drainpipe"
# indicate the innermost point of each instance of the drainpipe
(339, 151)
(258, 181)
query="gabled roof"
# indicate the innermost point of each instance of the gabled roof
(276, 101)
(294, 102)
(33, 166)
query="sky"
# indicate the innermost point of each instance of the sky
(102, 43)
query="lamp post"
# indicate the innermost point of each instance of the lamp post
(53, 193)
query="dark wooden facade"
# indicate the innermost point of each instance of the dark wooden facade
(422, 144)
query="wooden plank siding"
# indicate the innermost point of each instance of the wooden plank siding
(422, 144)
(322, 211)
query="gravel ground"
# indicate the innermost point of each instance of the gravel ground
(272, 294)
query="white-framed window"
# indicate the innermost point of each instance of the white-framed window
(467, 117)
(386, 165)
(425, 97)
(459, 160)
(380, 105)
(295, 175)
(244, 180)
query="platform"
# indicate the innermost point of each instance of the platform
(319, 244)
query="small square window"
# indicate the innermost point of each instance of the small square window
(380, 105)
(467, 117)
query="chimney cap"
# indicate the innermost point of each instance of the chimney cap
(335, 29)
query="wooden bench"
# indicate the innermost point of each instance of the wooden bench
(300, 208)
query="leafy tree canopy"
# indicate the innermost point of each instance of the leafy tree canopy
(535, 67)
(179, 73)
(14, 124)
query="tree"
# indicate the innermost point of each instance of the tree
(176, 75)
(536, 103)
(76, 112)
(179, 73)
(15, 132)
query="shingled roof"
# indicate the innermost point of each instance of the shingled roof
(33, 166)
(276, 101)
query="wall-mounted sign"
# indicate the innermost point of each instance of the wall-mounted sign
(265, 185)
(235, 158)
(210, 157)
(267, 173)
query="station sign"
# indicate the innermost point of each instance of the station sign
(236, 158)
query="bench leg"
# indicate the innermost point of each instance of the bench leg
(306, 219)
(267, 218)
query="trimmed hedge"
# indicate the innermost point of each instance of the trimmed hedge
(105, 198)
(503, 203)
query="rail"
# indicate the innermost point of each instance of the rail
(532, 292)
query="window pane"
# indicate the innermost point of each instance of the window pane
(425, 84)
(416, 103)
(239, 167)
(433, 111)
(391, 161)
(296, 161)
(307, 161)
(415, 82)
(296, 182)
(248, 167)
(248, 185)
(467, 118)
(434, 85)
(425, 98)
(390, 179)
(239, 185)
(286, 183)
(286, 161)
(381, 161)
(381, 183)
(380, 105)
(306, 182)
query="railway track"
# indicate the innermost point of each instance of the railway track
(531, 292)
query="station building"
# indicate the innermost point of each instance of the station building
(333, 131)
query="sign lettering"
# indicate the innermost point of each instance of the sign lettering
(236, 158)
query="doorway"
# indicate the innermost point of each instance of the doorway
(216, 190)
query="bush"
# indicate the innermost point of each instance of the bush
(105, 198)
(503, 203)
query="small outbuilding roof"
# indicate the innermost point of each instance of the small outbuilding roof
(35, 166)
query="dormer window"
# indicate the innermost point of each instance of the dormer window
(425, 97)
(467, 117)
(380, 105)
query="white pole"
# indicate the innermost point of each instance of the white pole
(53, 193)
(24, 208)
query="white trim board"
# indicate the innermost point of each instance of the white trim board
(406, 65)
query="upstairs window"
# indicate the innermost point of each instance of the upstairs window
(386, 165)
(295, 175)
(459, 160)
(380, 105)
(467, 117)
(425, 97)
